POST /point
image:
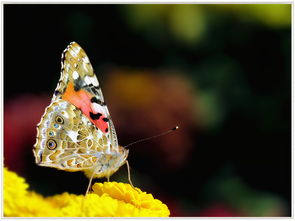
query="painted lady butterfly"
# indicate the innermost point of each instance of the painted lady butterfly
(76, 132)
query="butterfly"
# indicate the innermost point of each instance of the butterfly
(76, 132)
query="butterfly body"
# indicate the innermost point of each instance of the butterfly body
(76, 132)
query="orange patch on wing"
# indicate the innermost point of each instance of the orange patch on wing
(81, 99)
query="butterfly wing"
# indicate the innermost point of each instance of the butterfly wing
(67, 140)
(79, 86)
(76, 131)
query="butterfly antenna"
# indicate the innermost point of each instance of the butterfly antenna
(161, 134)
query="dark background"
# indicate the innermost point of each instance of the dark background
(222, 72)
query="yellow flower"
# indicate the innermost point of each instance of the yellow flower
(109, 199)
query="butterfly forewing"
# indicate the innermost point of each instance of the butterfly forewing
(79, 85)
(77, 69)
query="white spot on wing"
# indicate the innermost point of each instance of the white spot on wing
(96, 108)
(47, 123)
(84, 120)
(73, 135)
(91, 80)
(85, 66)
(66, 76)
(73, 53)
(85, 59)
(94, 81)
(66, 115)
(76, 49)
(75, 75)
(87, 80)
(108, 150)
(63, 105)
(42, 143)
(97, 154)
(43, 131)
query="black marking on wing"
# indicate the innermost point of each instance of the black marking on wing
(105, 119)
(76, 87)
(40, 155)
(78, 84)
(95, 100)
(63, 56)
(95, 116)
(94, 91)
(57, 92)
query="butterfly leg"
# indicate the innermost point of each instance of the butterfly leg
(129, 178)
(108, 179)
(89, 184)
(90, 181)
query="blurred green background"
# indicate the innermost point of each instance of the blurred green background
(220, 72)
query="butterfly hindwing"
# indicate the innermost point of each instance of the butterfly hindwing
(66, 139)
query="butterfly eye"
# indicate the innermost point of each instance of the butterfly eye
(59, 120)
(51, 144)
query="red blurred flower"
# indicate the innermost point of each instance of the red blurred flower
(21, 116)
(146, 103)
(218, 210)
